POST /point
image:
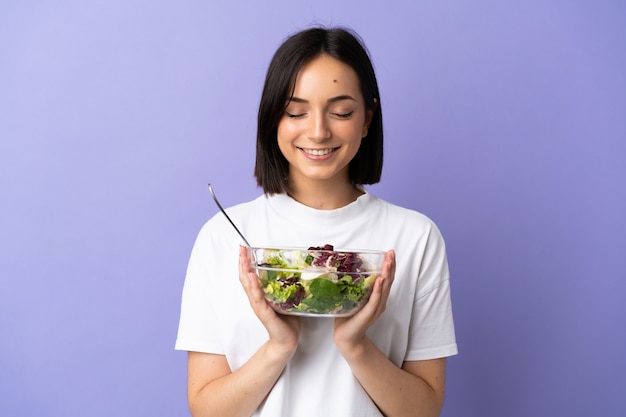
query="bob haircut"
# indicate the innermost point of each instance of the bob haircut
(271, 168)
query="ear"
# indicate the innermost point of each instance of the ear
(368, 119)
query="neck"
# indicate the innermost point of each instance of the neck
(324, 196)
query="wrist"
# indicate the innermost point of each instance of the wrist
(280, 352)
(353, 350)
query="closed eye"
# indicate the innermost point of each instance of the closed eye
(294, 115)
(344, 115)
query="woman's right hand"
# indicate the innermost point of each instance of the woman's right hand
(283, 330)
(216, 389)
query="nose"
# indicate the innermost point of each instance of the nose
(318, 128)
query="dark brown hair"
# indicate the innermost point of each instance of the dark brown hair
(271, 168)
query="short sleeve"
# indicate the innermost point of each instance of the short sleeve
(431, 333)
(198, 328)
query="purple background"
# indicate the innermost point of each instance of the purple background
(505, 123)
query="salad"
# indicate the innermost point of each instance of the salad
(317, 281)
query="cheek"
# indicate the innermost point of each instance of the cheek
(357, 130)
(285, 131)
(281, 137)
(284, 137)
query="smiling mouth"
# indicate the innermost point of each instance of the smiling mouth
(318, 152)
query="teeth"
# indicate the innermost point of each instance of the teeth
(318, 152)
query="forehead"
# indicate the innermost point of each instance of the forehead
(326, 73)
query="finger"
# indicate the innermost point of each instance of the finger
(242, 276)
(249, 280)
(241, 258)
(385, 287)
(390, 265)
(244, 269)
(387, 271)
(382, 293)
(369, 310)
(255, 288)
(244, 265)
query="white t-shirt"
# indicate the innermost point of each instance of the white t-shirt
(216, 316)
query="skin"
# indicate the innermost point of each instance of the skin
(326, 114)
(319, 135)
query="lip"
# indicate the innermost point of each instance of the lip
(318, 153)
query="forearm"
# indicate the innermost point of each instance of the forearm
(239, 393)
(396, 392)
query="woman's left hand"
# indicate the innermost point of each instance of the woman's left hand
(350, 331)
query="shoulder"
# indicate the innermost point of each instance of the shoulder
(411, 232)
(403, 216)
(240, 210)
(218, 227)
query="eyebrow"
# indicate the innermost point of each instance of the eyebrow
(330, 100)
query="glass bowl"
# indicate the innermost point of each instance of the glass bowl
(318, 281)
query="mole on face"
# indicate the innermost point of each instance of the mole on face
(334, 81)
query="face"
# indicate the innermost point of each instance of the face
(324, 122)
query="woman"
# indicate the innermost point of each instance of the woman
(319, 141)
